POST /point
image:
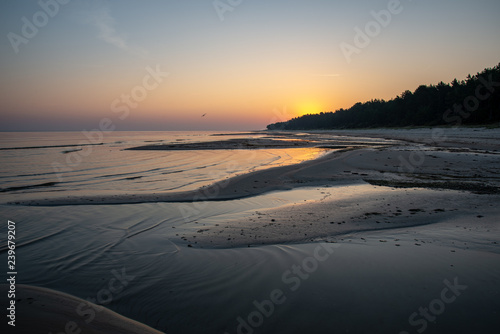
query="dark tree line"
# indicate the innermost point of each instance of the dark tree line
(473, 101)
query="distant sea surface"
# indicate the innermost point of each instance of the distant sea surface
(56, 163)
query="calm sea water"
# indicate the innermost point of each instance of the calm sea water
(54, 164)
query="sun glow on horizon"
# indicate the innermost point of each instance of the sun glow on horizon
(309, 107)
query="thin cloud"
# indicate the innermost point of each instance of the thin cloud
(105, 23)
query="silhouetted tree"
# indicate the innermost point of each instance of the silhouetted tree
(473, 101)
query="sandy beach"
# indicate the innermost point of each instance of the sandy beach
(398, 217)
(41, 310)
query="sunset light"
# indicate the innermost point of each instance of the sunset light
(309, 108)
(315, 57)
(250, 166)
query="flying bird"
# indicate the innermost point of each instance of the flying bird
(203, 115)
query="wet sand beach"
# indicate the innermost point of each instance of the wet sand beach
(386, 232)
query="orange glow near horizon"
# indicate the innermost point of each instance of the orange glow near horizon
(309, 107)
(231, 94)
(263, 65)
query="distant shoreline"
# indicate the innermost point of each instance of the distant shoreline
(352, 151)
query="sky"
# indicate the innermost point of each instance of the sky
(67, 65)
